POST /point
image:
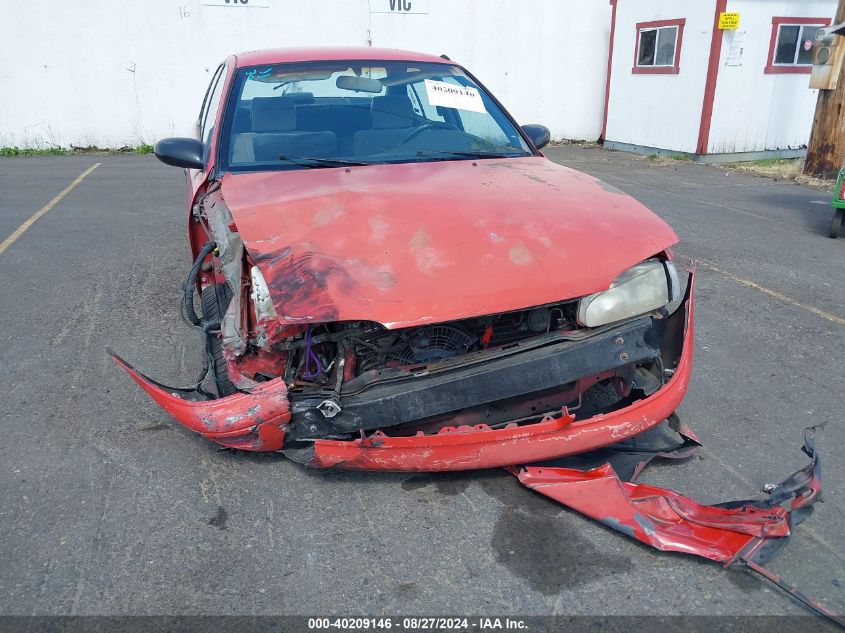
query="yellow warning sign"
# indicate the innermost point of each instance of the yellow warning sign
(728, 21)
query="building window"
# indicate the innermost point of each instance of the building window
(658, 49)
(791, 45)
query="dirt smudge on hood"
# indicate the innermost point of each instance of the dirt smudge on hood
(520, 255)
(428, 259)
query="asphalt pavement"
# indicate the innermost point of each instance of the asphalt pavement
(109, 507)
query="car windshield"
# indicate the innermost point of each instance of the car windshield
(336, 113)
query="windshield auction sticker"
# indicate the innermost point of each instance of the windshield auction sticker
(441, 93)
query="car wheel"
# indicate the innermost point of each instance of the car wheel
(836, 224)
(215, 300)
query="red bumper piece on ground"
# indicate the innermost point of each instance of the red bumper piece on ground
(248, 421)
(747, 532)
(659, 517)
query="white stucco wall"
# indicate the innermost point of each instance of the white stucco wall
(108, 74)
(754, 111)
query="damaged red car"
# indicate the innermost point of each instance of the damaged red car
(388, 274)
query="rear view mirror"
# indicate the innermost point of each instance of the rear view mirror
(180, 152)
(359, 84)
(539, 134)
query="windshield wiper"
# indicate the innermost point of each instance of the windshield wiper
(311, 161)
(438, 152)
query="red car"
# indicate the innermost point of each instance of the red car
(393, 277)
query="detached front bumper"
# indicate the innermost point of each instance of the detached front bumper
(259, 420)
(248, 421)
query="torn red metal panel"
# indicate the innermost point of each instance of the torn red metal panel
(747, 532)
(659, 517)
(248, 421)
(670, 521)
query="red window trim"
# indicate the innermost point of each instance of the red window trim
(711, 79)
(777, 21)
(659, 70)
(609, 70)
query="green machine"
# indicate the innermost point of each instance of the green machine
(838, 206)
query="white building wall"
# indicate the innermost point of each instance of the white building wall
(108, 74)
(754, 111)
(545, 60)
(662, 111)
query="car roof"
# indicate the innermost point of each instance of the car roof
(281, 55)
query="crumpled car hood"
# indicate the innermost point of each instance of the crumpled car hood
(408, 244)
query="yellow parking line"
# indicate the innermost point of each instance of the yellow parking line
(34, 217)
(772, 293)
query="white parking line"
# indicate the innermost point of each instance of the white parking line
(772, 293)
(34, 217)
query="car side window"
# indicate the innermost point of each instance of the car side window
(212, 105)
(205, 100)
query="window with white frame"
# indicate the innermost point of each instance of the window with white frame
(794, 45)
(658, 46)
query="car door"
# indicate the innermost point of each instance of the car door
(205, 130)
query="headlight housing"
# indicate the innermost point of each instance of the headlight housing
(647, 286)
(260, 295)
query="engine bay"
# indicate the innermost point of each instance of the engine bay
(362, 347)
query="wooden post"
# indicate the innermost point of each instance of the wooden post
(826, 150)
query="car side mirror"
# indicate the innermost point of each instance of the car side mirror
(180, 152)
(539, 134)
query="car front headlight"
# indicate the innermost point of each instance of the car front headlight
(645, 287)
(260, 295)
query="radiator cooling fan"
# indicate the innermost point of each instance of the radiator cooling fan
(432, 343)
